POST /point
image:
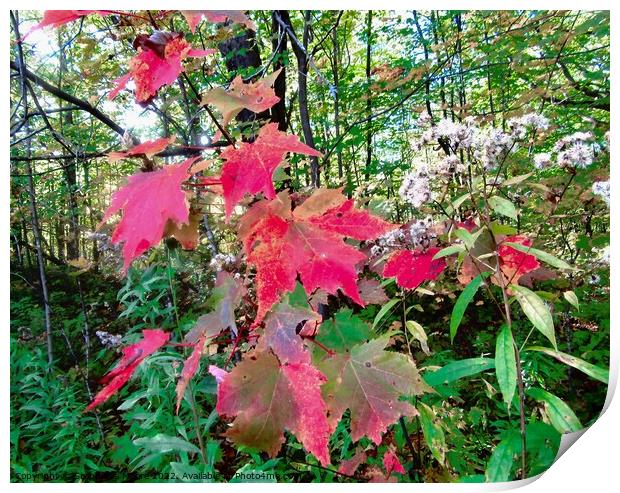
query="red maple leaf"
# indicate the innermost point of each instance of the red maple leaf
(411, 268)
(133, 355)
(268, 397)
(369, 381)
(193, 17)
(148, 148)
(391, 463)
(149, 201)
(372, 292)
(157, 64)
(281, 332)
(308, 241)
(349, 466)
(56, 18)
(190, 366)
(250, 167)
(514, 263)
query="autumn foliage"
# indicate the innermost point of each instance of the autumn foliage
(299, 358)
(314, 239)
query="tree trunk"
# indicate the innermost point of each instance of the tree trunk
(34, 219)
(69, 169)
(32, 202)
(279, 45)
(59, 233)
(427, 82)
(368, 96)
(335, 68)
(241, 52)
(302, 82)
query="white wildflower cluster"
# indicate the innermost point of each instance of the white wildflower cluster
(455, 134)
(603, 255)
(575, 151)
(543, 160)
(419, 235)
(450, 165)
(424, 119)
(491, 147)
(530, 121)
(387, 242)
(221, 261)
(107, 339)
(602, 189)
(416, 186)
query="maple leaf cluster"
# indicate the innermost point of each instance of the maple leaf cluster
(155, 195)
(513, 264)
(133, 355)
(282, 385)
(57, 18)
(157, 64)
(148, 149)
(249, 168)
(290, 241)
(255, 96)
(281, 242)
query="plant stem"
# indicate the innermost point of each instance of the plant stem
(412, 471)
(520, 385)
(172, 291)
(192, 403)
(500, 276)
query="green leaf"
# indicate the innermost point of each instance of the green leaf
(468, 238)
(458, 369)
(502, 229)
(164, 443)
(344, 331)
(560, 414)
(457, 203)
(450, 250)
(384, 310)
(417, 331)
(463, 301)
(543, 442)
(571, 297)
(503, 458)
(596, 372)
(506, 364)
(433, 433)
(503, 206)
(536, 310)
(539, 254)
(515, 180)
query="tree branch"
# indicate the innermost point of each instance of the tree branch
(59, 93)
